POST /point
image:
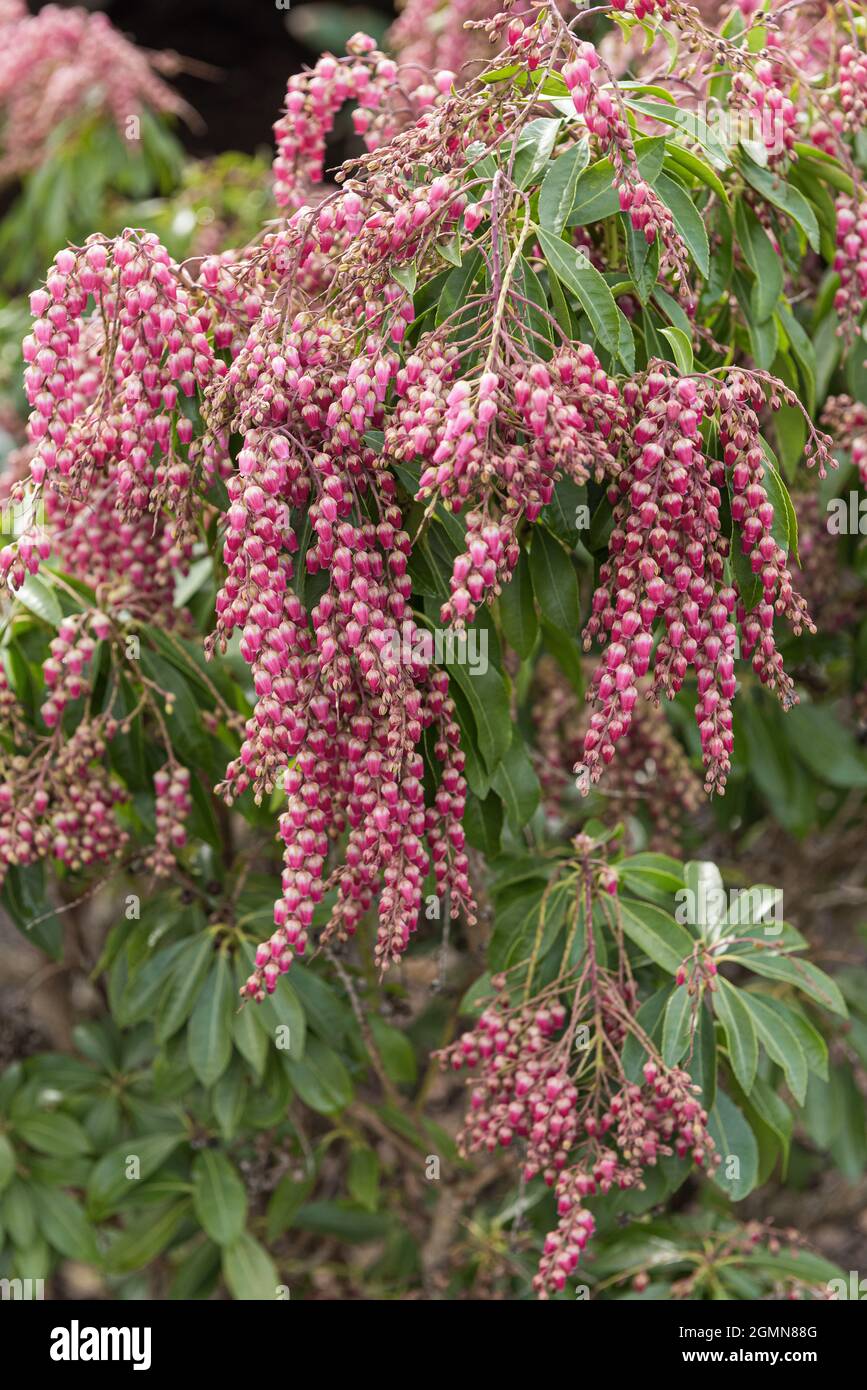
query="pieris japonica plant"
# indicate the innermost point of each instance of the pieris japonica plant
(536, 369)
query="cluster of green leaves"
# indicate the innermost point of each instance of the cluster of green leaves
(86, 166)
(134, 1155)
(704, 1256)
(755, 1040)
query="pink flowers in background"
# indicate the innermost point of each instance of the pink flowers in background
(63, 63)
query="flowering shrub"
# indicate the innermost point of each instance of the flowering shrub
(552, 326)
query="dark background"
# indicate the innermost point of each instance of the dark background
(254, 44)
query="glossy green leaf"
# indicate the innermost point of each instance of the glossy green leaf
(518, 611)
(555, 582)
(557, 193)
(734, 1140)
(219, 1197)
(740, 1031)
(656, 933)
(209, 1034)
(249, 1270)
(574, 270)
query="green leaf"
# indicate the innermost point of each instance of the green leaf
(785, 196)
(7, 1162)
(650, 1018)
(811, 1043)
(805, 976)
(772, 1123)
(396, 1051)
(533, 149)
(483, 823)
(781, 1043)
(557, 193)
(693, 164)
(288, 1196)
(642, 261)
(596, 194)
(733, 1139)
(457, 286)
(184, 723)
(64, 1225)
(650, 875)
(249, 1270)
(517, 610)
(146, 1238)
(450, 250)
(110, 1179)
(849, 1148)
(682, 349)
(694, 127)
(736, 1019)
(281, 1010)
(797, 1264)
(574, 270)
(24, 897)
(209, 1035)
(219, 1197)
(763, 260)
(406, 276)
(197, 1273)
(250, 1040)
(345, 1222)
(656, 933)
(145, 985)
(534, 313)
(555, 582)
(825, 746)
(706, 899)
(676, 1026)
(53, 1133)
(363, 1177)
(487, 698)
(687, 220)
(702, 1065)
(41, 599)
(180, 994)
(515, 781)
(321, 1079)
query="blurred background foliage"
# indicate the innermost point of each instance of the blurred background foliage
(290, 1137)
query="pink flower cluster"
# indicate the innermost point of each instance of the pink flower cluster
(602, 113)
(432, 35)
(511, 432)
(660, 1117)
(71, 653)
(172, 804)
(667, 560)
(62, 805)
(106, 428)
(853, 86)
(365, 77)
(850, 262)
(65, 64)
(771, 117)
(338, 719)
(522, 1091)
